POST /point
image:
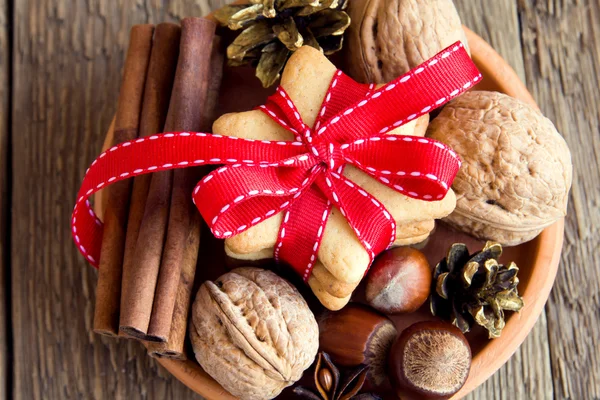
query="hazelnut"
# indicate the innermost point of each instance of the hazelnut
(429, 360)
(358, 335)
(399, 281)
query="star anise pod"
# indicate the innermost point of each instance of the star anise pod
(273, 29)
(331, 385)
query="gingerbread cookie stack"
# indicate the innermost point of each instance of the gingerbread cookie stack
(342, 260)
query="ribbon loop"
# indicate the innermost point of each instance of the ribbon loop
(254, 193)
(425, 170)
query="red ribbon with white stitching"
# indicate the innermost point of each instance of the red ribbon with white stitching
(303, 179)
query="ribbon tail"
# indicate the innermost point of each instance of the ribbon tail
(87, 230)
(159, 153)
(371, 221)
(423, 89)
(302, 230)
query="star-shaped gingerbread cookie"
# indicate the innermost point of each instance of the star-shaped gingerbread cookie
(342, 260)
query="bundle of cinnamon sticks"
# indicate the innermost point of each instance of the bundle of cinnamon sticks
(151, 240)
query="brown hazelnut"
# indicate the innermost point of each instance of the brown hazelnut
(358, 335)
(399, 281)
(429, 360)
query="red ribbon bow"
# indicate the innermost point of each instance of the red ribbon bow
(304, 178)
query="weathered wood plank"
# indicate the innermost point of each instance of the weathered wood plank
(4, 195)
(496, 22)
(67, 77)
(562, 53)
(68, 58)
(527, 374)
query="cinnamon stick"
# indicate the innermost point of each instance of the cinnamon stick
(173, 348)
(157, 94)
(108, 292)
(217, 59)
(168, 282)
(174, 289)
(166, 205)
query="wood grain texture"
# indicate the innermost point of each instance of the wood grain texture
(561, 48)
(68, 58)
(527, 373)
(497, 23)
(4, 201)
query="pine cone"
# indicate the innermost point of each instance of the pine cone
(475, 288)
(273, 29)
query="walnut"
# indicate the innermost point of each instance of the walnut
(516, 171)
(388, 38)
(253, 332)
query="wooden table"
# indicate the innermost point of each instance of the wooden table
(60, 68)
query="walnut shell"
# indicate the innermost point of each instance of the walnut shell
(516, 171)
(253, 332)
(388, 38)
